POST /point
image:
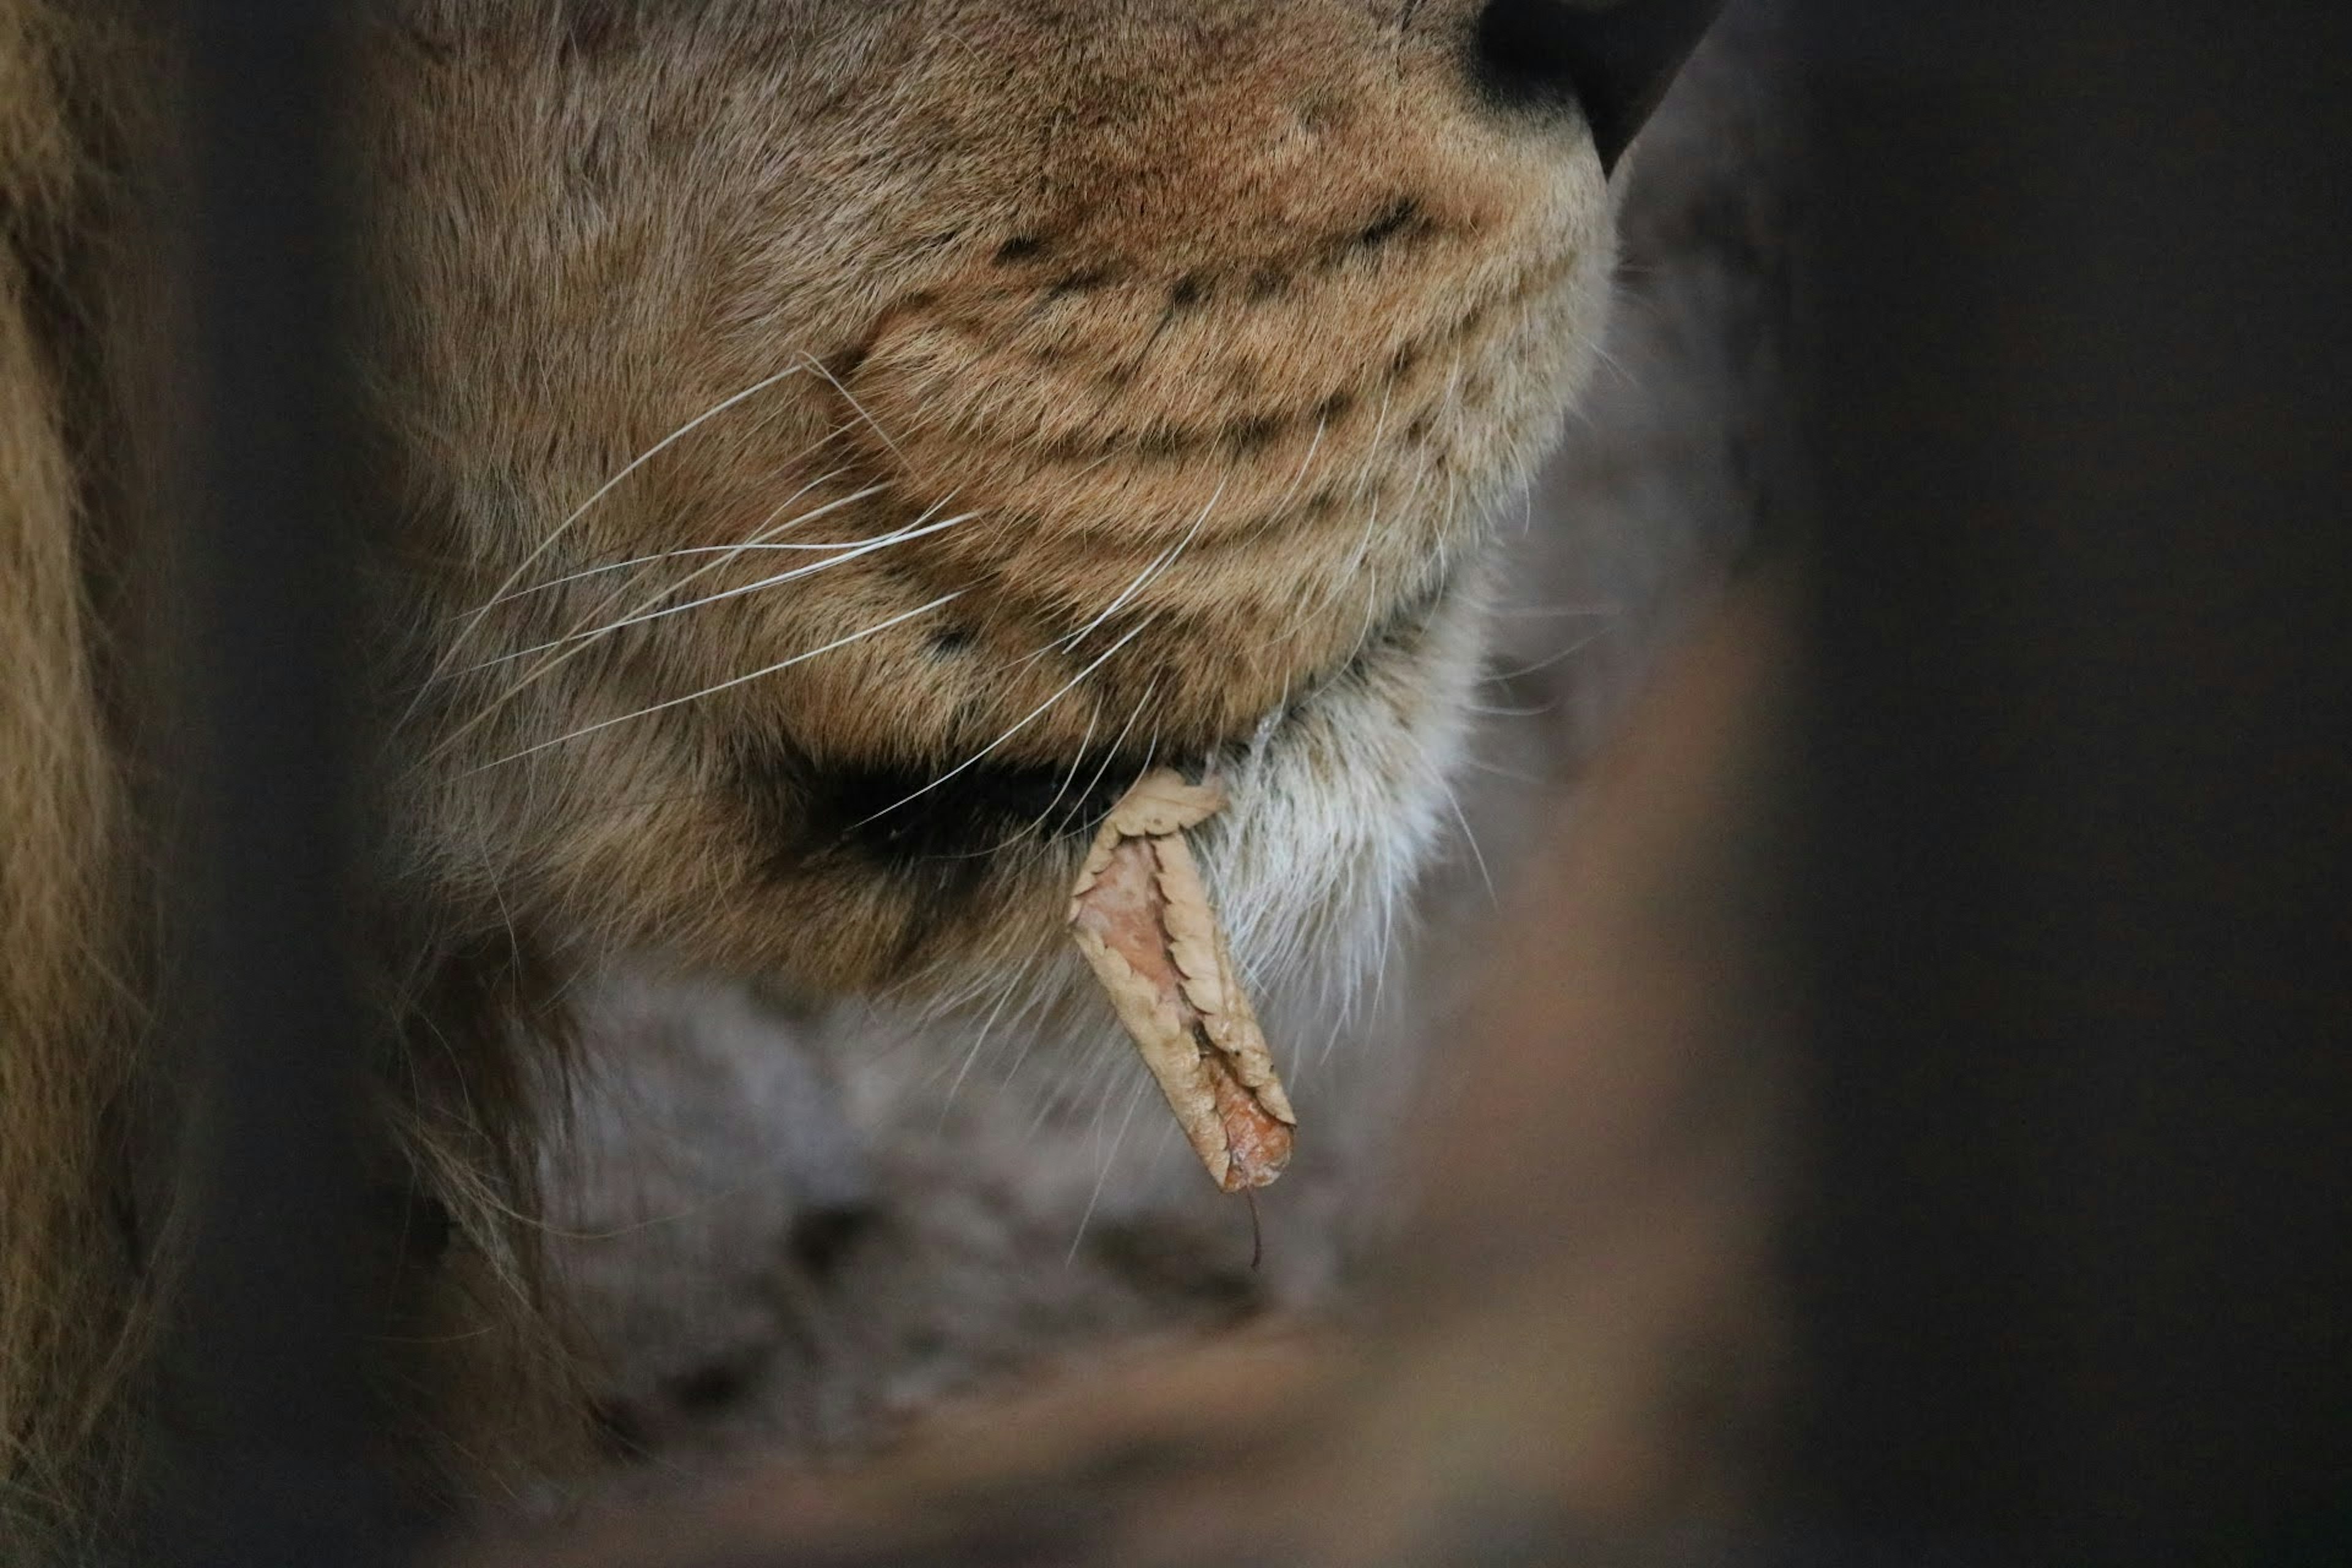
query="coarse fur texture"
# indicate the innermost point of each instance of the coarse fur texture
(73, 937)
(832, 447)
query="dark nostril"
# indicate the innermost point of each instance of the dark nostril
(1612, 58)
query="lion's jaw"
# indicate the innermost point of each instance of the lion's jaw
(1149, 386)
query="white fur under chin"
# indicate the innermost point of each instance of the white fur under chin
(1331, 821)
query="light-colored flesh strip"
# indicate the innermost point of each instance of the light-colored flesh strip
(1140, 915)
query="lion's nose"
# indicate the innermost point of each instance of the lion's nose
(1613, 58)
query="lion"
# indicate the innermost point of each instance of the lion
(830, 449)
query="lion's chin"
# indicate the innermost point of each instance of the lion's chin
(1335, 805)
(1340, 804)
(954, 895)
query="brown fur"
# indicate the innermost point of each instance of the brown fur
(71, 1323)
(1233, 317)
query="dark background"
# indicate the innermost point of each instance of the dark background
(2078, 1262)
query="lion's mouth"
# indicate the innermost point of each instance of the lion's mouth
(899, 816)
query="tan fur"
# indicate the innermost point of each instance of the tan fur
(1095, 333)
(1231, 318)
(68, 1317)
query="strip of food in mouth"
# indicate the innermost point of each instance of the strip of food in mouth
(1140, 915)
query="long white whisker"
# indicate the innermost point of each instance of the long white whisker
(556, 660)
(1134, 1099)
(1363, 483)
(1012, 987)
(1601, 609)
(864, 547)
(1040, 1003)
(1030, 827)
(769, 529)
(1570, 651)
(607, 488)
(817, 366)
(1332, 1039)
(1078, 761)
(825, 479)
(1274, 515)
(1470, 838)
(1059, 1087)
(1110, 753)
(724, 685)
(1490, 710)
(1143, 579)
(676, 554)
(1514, 776)
(1023, 724)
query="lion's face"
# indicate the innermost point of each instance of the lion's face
(841, 443)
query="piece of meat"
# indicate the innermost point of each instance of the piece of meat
(1141, 917)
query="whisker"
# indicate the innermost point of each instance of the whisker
(1012, 987)
(1150, 575)
(1030, 828)
(724, 685)
(1059, 1088)
(555, 662)
(1381, 953)
(1274, 515)
(1041, 999)
(864, 547)
(1036, 973)
(1489, 711)
(1514, 776)
(1338, 580)
(1023, 724)
(607, 488)
(1570, 651)
(1134, 1099)
(768, 530)
(1330, 1042)
(825, 479)
(1110, 753)
(1471, 838)
(1078, 761)
(1035, 827)
(859, 408)
(673, 554)
(1602, 610)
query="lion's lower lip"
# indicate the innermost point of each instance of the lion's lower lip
(961, 811)
(898, 815)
